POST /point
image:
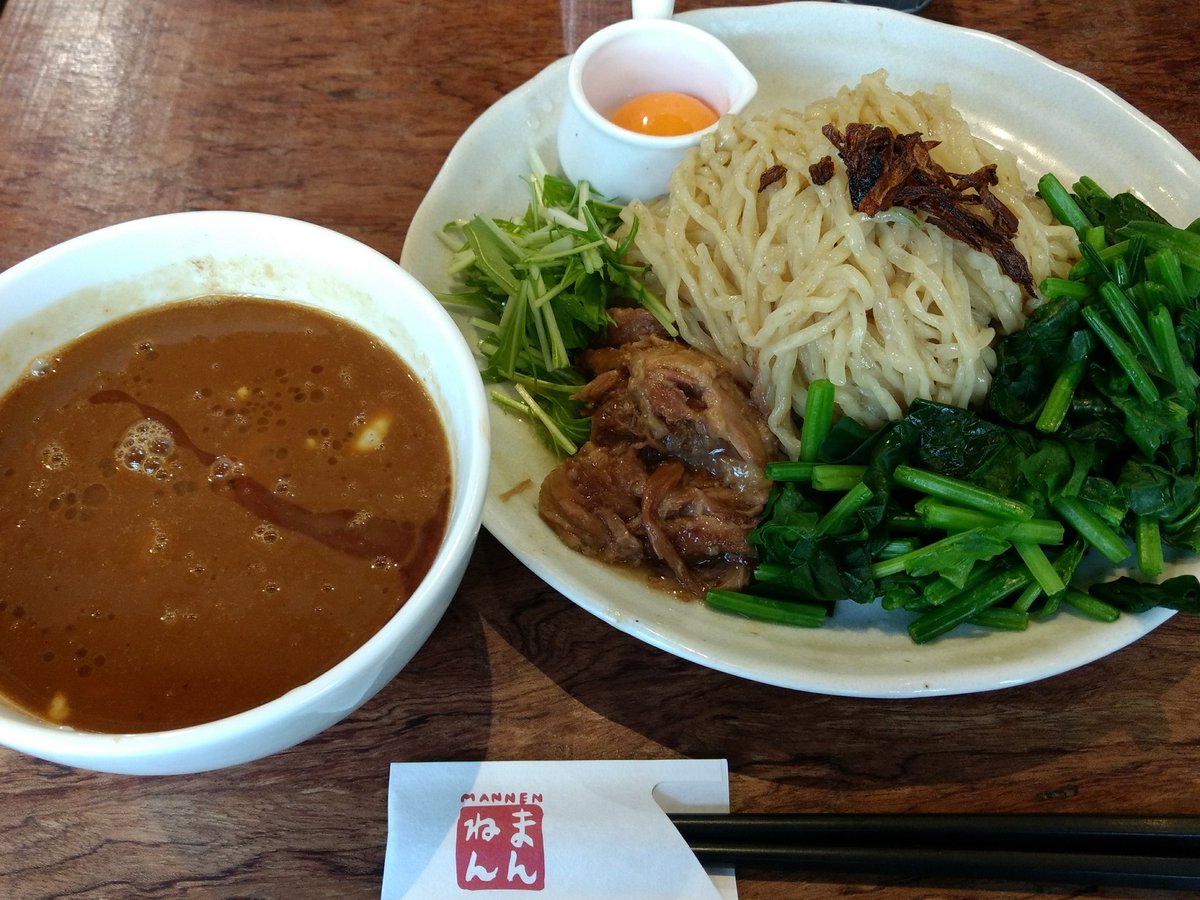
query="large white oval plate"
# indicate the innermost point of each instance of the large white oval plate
(1052, 118)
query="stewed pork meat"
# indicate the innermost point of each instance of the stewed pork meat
(672, 476)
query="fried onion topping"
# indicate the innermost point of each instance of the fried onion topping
(821, 171)
(771, 175)
(885, 169)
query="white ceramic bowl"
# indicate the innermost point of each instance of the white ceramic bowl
(57, 295)
(622, 61)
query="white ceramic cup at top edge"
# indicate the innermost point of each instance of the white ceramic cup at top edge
(633, 57)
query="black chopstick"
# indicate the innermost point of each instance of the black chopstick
(1174, 873)
(1128, 851)
(1170, 835)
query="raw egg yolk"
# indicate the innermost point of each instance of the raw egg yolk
(664, 114)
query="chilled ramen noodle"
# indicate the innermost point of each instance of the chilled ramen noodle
(790, 284)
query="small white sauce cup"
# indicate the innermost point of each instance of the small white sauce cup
(633, 57)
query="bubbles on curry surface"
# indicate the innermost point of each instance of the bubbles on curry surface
(41, 367)
(84, 662)
(275, 424)
(159, 541)
(265, 533)
(75, 504)
(224, 468)
(145, 447)
(54, 457)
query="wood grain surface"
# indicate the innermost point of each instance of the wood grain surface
(341, 112)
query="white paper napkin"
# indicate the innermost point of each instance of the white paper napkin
(573, 830)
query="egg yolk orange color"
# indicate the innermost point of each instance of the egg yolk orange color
(664, 114)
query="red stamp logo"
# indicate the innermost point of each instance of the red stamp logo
(499, 844)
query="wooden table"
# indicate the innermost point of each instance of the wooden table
(341, 112)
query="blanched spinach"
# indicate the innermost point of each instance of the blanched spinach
(1088, 438)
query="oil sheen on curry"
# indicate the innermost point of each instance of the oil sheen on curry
(206, 505)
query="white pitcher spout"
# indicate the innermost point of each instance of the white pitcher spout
(746, 86)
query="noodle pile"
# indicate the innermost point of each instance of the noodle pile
(790, 284)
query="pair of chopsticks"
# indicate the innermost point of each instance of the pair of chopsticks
(1127, 851)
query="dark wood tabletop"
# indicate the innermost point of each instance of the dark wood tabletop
(341, 112)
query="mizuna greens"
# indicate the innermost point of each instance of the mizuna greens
(539, 288)
(1089, 442)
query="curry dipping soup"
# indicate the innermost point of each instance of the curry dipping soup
(205, 505)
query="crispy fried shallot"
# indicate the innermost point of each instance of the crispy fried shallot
(771, 175)
(821, 171)
(887, 169)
